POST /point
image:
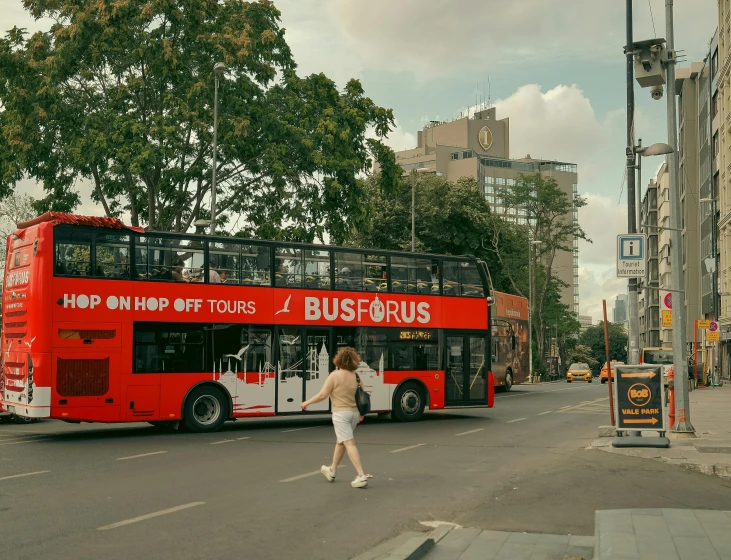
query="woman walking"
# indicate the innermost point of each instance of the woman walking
(340, 386)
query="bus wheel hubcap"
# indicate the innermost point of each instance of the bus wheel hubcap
(206, 409)
(410, 401)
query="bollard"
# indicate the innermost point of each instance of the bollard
(671, 398)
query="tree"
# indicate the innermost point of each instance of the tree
(593, 337)
(451, 218)
(120, 94)
(14, 208)
(582, 354)
(549, 212)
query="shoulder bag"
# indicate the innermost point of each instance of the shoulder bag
(362, 399)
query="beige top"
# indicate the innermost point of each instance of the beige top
(342, 395)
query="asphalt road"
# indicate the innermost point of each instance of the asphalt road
(253, 490)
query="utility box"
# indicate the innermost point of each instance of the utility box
(649, 57)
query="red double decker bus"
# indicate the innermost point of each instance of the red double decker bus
(103, 322)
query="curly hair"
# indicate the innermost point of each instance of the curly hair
(347, 358)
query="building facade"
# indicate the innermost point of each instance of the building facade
(723, 194)
(585, 321)
(478, 146)
(619, 313)
(649, 295)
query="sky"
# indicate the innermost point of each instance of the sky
(555, 68)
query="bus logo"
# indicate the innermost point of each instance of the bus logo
(348, 309)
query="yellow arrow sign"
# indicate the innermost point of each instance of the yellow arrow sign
(646, 421)
(649, 374)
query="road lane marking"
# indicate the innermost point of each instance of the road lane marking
(297, 429)
(223, 441)
(539, 392)
(470, 432)
(149, 516)
(542, 413)
(300, 476)
(242, 438)
(407, 448)
(567, 406)
(21, 441)
(516, 420)
(142, 455)
(22, 475)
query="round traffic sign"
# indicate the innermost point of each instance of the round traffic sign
(668, 299)
(713, 327)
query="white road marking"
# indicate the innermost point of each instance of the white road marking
(22, 441)
(223, 441)
(539, 392)
(242, 438)
(542, 413)
(407, 448)
(516, 420)
(297, 429)
(300, 476)
(567, 406)
(149, 516)
(142, 455)
(22, 475)
(470, 432)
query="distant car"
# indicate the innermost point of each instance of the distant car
(605, 373)
(578, 372)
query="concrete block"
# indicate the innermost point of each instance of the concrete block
(683, 523)
(578, 540)
(695, 548)
(458, 539)
(607, 431)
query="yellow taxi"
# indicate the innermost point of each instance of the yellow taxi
(578, 372)
(604, 375)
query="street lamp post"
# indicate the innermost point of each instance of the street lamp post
(413, 205)
(218, 69)
(531, 263)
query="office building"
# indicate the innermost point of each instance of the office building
(479, 146)
(619, 313)
(585, 321)
(649, 294)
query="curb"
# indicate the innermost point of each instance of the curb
(417, 547)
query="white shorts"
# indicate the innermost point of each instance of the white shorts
(344, 422)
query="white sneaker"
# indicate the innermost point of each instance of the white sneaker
(327, 473)
(360, 482)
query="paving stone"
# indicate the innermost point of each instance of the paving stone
(459, 539)
(578, 540)
(683, 523)
(387, 546)
(585, 552)
(709, 515)
(650, 526)
(614, 522)
(515, 551)
(492, 537)
(554, 539)
(617, 545)
(659, 547)
(695, 548)
(523, 538)
(441, 553)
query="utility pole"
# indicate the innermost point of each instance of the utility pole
(680, 362)
(632, 304)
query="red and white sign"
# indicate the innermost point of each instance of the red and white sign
(107, 300)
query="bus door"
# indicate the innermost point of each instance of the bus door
(303, 364)
(466, 369)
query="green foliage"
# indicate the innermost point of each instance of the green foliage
(593, 338)
(451, 218)
(121, 94)
(582, 354)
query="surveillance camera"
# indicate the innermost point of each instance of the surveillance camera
(656, 92)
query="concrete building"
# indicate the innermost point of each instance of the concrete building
(663, 242)
(649, 299)
(585, 321)
(724, 182)
(479, 146)
(692, 141)
(619, 313)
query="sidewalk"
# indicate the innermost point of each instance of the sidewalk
(623, 534)
(710, 451)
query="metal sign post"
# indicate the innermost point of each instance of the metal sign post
(640, 405)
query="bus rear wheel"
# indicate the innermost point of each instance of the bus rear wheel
(409, 403)
(508, 380)
(206, 409)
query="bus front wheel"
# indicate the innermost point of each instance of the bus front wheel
(206, 409)
(409, 403)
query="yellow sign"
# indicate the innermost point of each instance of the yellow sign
(703, 324)
(667, 318)
(713, 336)
(485, 138)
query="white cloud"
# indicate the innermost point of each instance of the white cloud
(596, 286)
(441, 37)
(400, 139)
